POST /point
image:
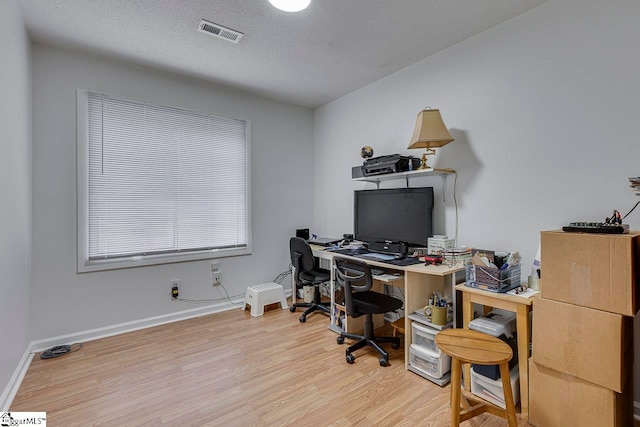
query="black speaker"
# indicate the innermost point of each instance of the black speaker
(388, 248)
(303, 233)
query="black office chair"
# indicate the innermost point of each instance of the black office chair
(355, 277)
(306, 275)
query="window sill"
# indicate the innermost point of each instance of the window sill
(85, 266)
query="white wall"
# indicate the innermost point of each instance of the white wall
(65, 302)
(15, 192)
(544, 110)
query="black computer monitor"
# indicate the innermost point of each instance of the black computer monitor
(397, 215)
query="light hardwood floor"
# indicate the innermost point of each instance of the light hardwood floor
(229, 369)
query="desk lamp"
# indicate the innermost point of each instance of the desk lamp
(429, 133)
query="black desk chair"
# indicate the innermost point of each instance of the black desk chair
(355, 277)
(306, 275)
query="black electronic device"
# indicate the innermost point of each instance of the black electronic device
(388, 248)
(596, 227)
(392, 163)
(401, 262)
(397, 215)
(323, 241)
(303, 233)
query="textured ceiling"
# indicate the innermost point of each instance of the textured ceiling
(309, 58)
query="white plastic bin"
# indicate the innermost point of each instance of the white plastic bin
(429, 362)
(424, 337)
(496, 323)
(492, 391)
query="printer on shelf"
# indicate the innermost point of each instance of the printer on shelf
(392, 163)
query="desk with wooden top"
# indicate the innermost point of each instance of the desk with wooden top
(419, 283)
(522, 307)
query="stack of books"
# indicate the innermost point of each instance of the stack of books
(455, 255)
(635, 185)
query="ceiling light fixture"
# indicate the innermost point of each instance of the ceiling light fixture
(290, 5)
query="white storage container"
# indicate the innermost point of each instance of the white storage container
(439, 244)
(424, 337)
(492, 391)
(429, 362)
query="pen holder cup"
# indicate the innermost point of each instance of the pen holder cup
(437, 315)
(534, 283)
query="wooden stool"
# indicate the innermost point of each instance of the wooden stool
(466, 346)
(398, 326)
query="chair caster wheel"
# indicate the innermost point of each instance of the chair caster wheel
(292, 309)
(340, 340)
(350, 359)
(395, 346)
(303, 319)
(384, 362)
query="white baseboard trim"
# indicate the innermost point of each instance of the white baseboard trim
(93, 334)
(109, 331)
(16, 379)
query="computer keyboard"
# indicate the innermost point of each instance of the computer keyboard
(350, 251)
(403, 261)
(596, 227)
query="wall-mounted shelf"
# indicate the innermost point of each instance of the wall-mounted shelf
(377, 179)
(405, 175)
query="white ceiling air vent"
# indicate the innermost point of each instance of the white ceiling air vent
(219, 31)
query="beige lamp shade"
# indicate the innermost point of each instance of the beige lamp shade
(430, 131)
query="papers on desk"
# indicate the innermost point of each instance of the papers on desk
(354, 245)
(388, 278)
(374, 256)
(419, 317)
(528, 294)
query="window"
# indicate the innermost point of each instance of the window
(158, 184)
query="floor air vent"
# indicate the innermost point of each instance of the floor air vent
(219, 31)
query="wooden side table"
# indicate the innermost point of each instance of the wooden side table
(522, 307)
(466, 346)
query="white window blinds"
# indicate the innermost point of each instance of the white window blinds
(163, 180)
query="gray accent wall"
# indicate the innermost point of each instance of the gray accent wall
(15, 192)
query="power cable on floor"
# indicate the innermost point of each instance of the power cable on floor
(60, 350)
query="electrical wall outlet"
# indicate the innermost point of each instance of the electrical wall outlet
(175, 286)
(216, 273)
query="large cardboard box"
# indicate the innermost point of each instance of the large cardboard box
(592, 345)
(592, 270)
(560, 400)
